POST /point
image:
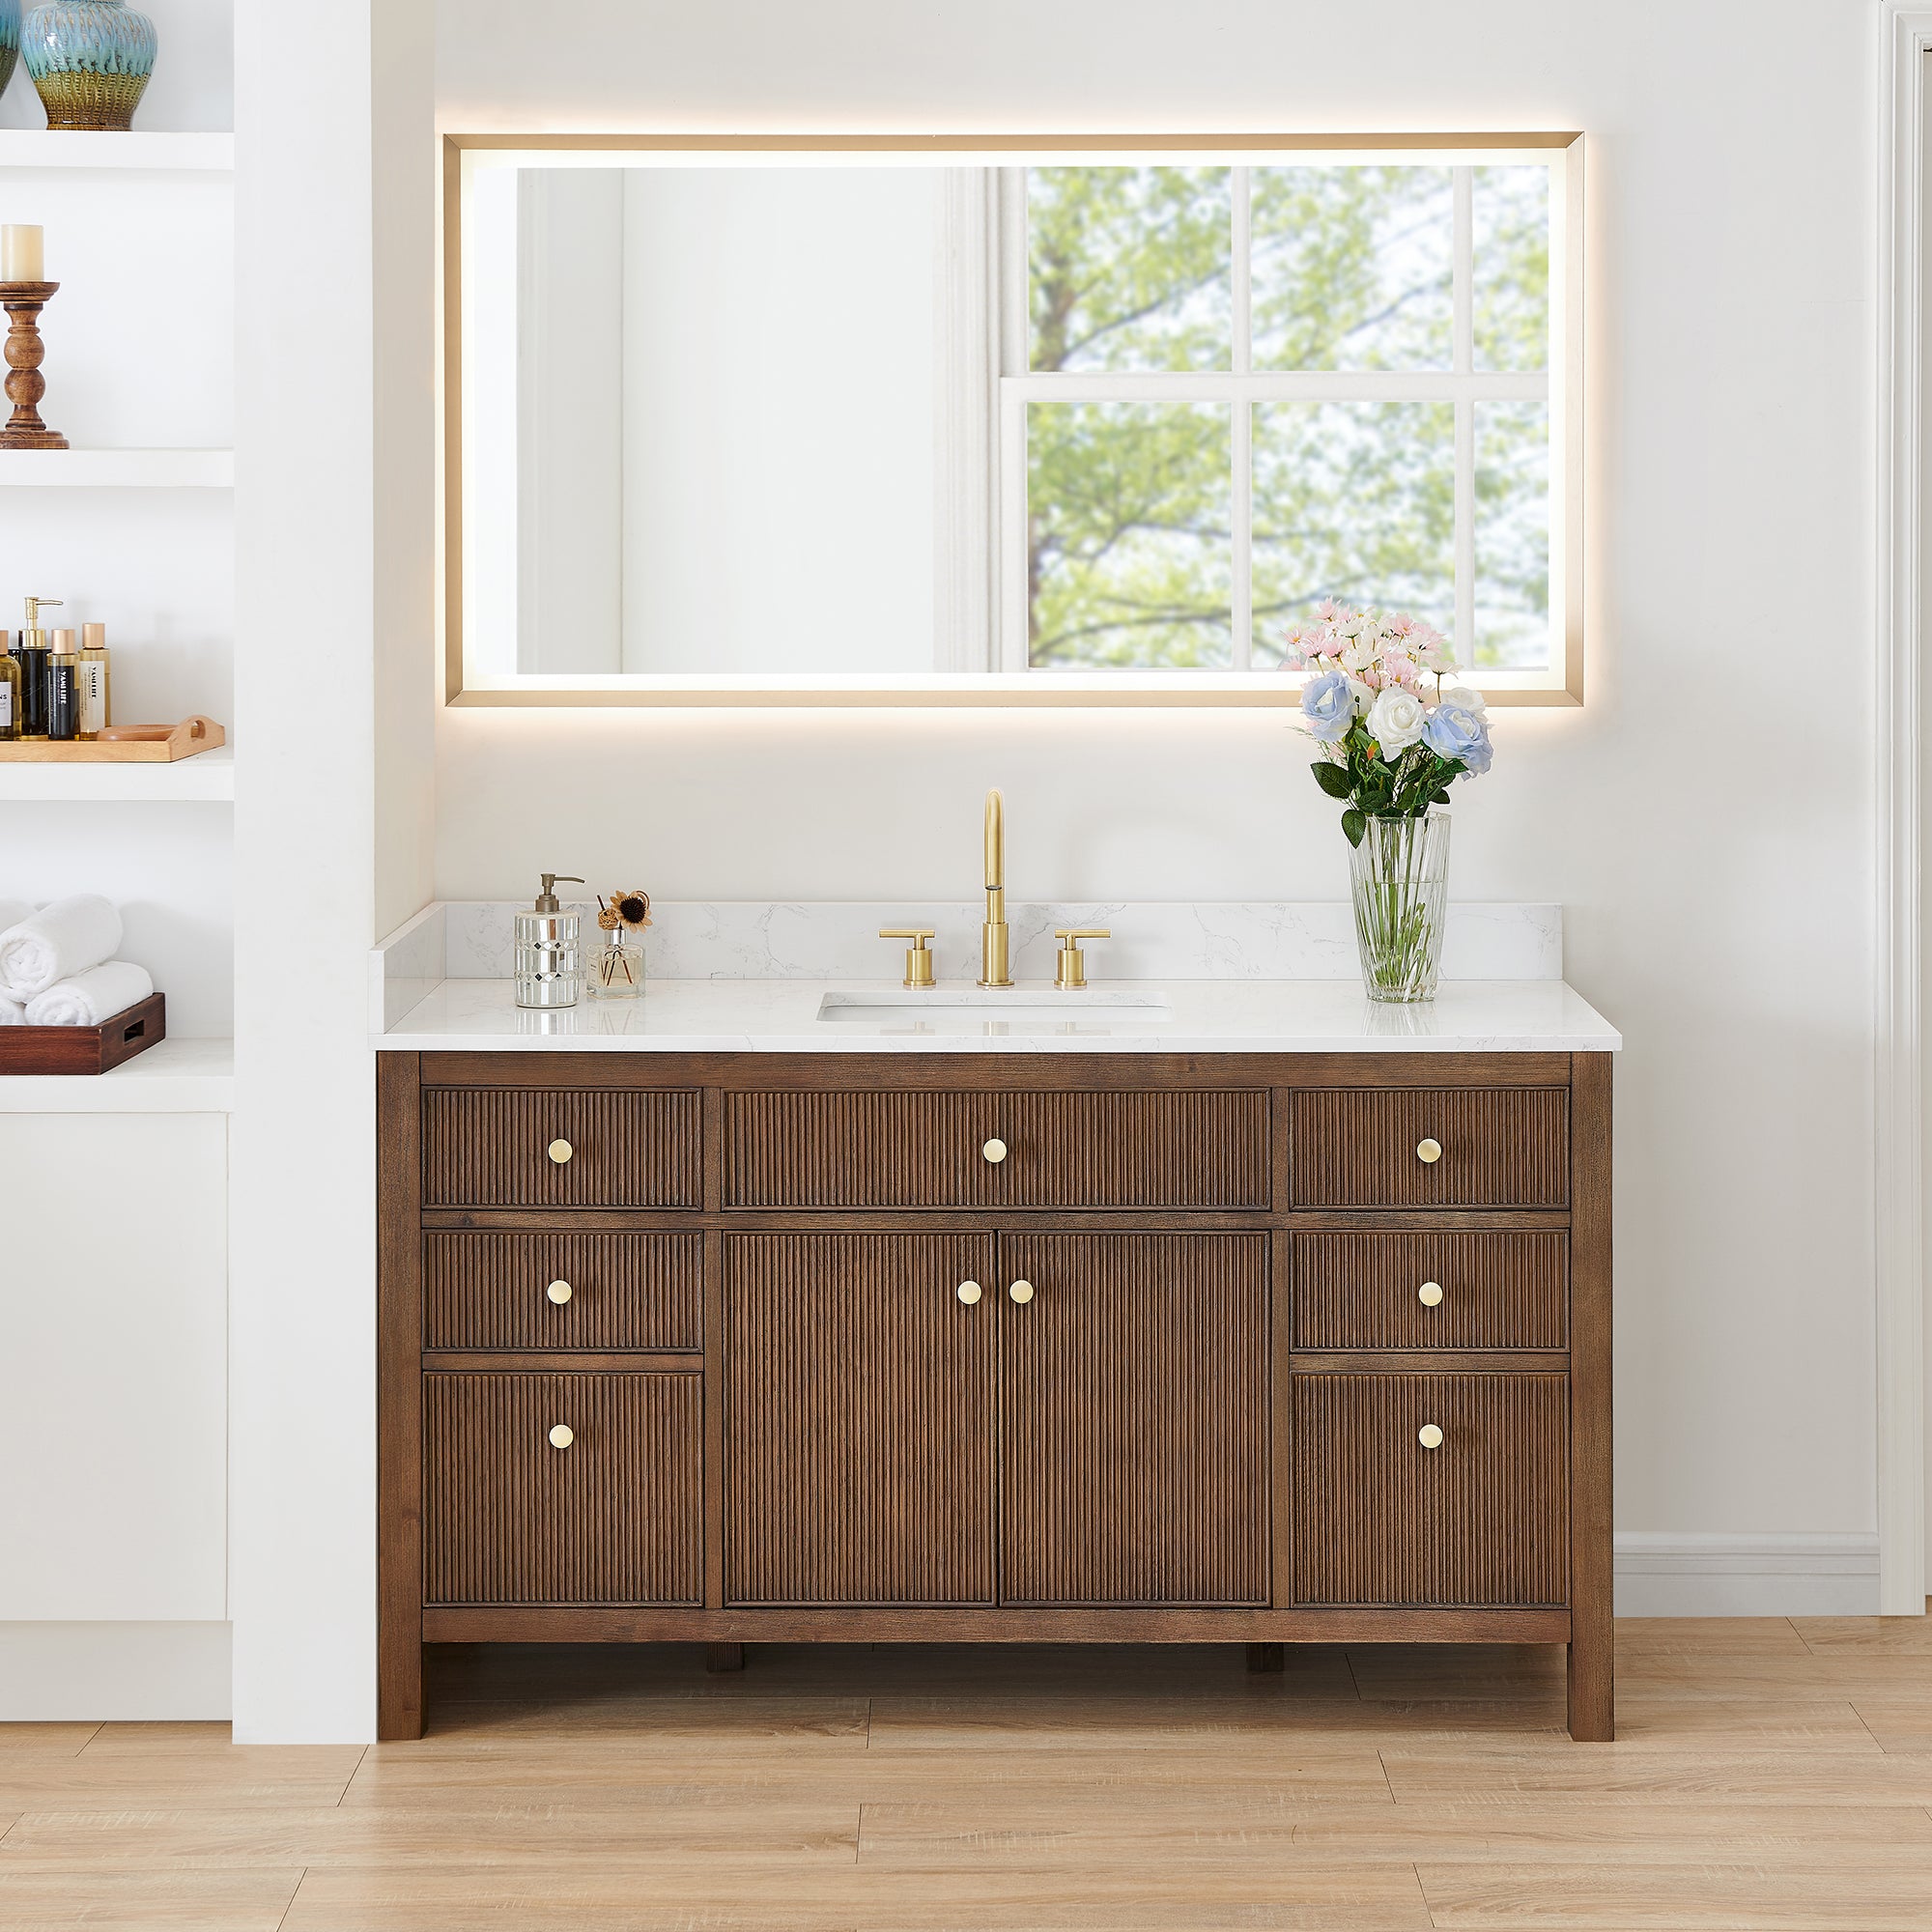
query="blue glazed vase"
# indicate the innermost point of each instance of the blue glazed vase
(90, 61)
(9, 40)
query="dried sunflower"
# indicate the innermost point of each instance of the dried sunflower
(631, 910)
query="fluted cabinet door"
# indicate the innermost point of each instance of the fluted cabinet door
(858, 1419)
(1134, 1437)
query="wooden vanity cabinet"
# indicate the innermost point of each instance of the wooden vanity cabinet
(1052, 1347)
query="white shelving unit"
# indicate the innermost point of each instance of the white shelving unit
(134, 1535)
(179, 1076)
(206, 779)
(118, 468)
(38, 148)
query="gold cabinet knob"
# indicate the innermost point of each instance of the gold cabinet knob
(969, 1292)
(562, 1435)
(995, 1150)
(1427, 1151)
(1429, 1435)
(559, 1292)
(559, 1151)
(1021, 1292)
(1429, 1294)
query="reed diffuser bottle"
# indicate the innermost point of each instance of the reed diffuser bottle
(617, 966)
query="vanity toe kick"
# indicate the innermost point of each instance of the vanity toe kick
(1236, 1348)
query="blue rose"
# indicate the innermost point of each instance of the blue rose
(1328, 704)
(1456, 730)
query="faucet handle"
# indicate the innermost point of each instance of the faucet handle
(917, 960)
(1069, 972)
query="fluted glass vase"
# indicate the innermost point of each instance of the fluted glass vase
(91, 60)
(1400, 877)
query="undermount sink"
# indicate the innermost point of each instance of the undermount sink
(1017, 1007)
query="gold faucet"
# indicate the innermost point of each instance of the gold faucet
(993, 936)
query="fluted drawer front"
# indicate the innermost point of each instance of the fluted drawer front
(1495, 1291)
(1133, 1431)
(927, 1149)
(1481, 1519)
(491, 1147)
(1499, 1148)
(616, 1516)
(858, 1419)
(617, 1291)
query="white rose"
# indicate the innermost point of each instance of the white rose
(1396, 720)
(1468, 700)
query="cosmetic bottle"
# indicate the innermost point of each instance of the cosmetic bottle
(64, 688)
(32, 657)
(97, 706)
(549, 960)
(10, 691)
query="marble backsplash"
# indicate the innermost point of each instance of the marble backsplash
(754, 940)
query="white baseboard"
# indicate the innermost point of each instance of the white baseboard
(149, 1672)
(135, 1673)
(1665, 1574)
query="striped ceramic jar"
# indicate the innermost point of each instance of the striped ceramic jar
(90, 61)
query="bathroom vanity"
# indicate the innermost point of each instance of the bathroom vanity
(1252, 1324)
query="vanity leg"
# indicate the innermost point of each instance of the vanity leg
(1592, 1580)
(1592, 1696)
(1266, 1657)
(722, 1657)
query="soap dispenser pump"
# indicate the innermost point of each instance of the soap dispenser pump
(549, 960)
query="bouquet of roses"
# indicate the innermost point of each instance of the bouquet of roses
(1391, 746)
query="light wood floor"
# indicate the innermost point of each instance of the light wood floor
(1769, 1774)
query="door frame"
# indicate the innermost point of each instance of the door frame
(1899, 1062)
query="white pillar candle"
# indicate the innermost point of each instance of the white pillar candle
(22, 258)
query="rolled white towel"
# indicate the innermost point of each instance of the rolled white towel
(60, 942)
(11, 913)
(91, 998)
(11, 1012)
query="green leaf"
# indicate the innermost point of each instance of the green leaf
(1353, 826)
(1334, 780)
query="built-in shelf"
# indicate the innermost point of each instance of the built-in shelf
(119, 469)
(179, 1076)
(205, 779)
(38, 148)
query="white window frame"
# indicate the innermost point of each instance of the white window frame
(1243, 385)
(981, 393)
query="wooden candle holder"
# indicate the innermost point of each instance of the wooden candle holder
(23, 302)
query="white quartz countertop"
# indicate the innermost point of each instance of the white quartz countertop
(1193, 1016)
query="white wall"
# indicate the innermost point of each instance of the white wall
(778, 419)
(1706, 817)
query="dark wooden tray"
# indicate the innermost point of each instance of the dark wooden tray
(94, 1049)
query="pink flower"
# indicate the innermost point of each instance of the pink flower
(1398, 668)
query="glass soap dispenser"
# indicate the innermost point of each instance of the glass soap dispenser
(549, 960)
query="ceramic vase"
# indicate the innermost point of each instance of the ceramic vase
(9, 40)
(90, 61)
(1399, 876)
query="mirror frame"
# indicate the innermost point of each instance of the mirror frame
(1561, 686)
